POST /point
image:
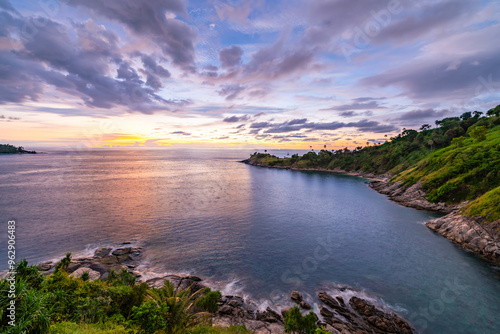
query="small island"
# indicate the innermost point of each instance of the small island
(11, 149)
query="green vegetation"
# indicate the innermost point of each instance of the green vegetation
(295, 322)
(62, 304)
(11, 149)
(458, 160)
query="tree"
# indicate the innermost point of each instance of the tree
(466, 115)
(494, 111)
(477, 114)
(479, 133)
(171, 308)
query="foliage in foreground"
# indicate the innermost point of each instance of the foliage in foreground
(295, 322)
(60, 303)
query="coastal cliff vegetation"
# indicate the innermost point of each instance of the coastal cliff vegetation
(458, 160)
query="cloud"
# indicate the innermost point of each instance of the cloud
(303, 124)
(234, 119)
(420, 114)
(151, 65)
(81, 66)
(182, 133)
(230, 57)
(357, 106)
(231, 91)
(148, 18)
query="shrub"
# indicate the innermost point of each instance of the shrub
(295, 322)
(209, 302)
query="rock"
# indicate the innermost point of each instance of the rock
(329, 301)
(296, 297)
(107, 260)
(285, 310)
(225, 310)
(304, 305)
(73, 266)
(126, 243)
(325, 312)
(468, 232)
(235, 302)
(379, 320)
(45, 266)
(102, 252)
(268, 315)
(93, 275)
(122, 251)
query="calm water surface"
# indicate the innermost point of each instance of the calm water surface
(266, 231)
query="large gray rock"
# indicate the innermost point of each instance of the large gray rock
(470, 233)
(102, 252)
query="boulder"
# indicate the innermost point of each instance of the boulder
(285, 310)
(93, 275)
(122, 251)
(102, 252)
(45, 266)
(268, 315)
(296, 297)
(304, 305)
(329, 301)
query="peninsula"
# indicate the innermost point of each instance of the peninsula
(11, 149)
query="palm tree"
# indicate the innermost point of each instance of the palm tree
(180, 315)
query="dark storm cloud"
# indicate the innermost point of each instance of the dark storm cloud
(148, 18)
(234, 119)
(80, 63)
(230, 57)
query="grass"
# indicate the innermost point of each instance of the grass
(487, 206)
(74, 328)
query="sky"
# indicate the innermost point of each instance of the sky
(243, 74)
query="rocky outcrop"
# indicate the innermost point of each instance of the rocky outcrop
(182, 282)
(483, 239)
(100, 265)
(359, 316)
(410, 196)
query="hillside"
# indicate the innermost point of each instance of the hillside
(457, 161)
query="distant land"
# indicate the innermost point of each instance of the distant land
(453, 168)
(11, 149)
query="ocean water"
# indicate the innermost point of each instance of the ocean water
(249, 230)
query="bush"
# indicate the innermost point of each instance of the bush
(295, 322)
(209, 302)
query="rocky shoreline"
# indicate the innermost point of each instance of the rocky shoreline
(470, 233)
(336, 315)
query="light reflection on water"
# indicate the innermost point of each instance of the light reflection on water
(268, 231)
